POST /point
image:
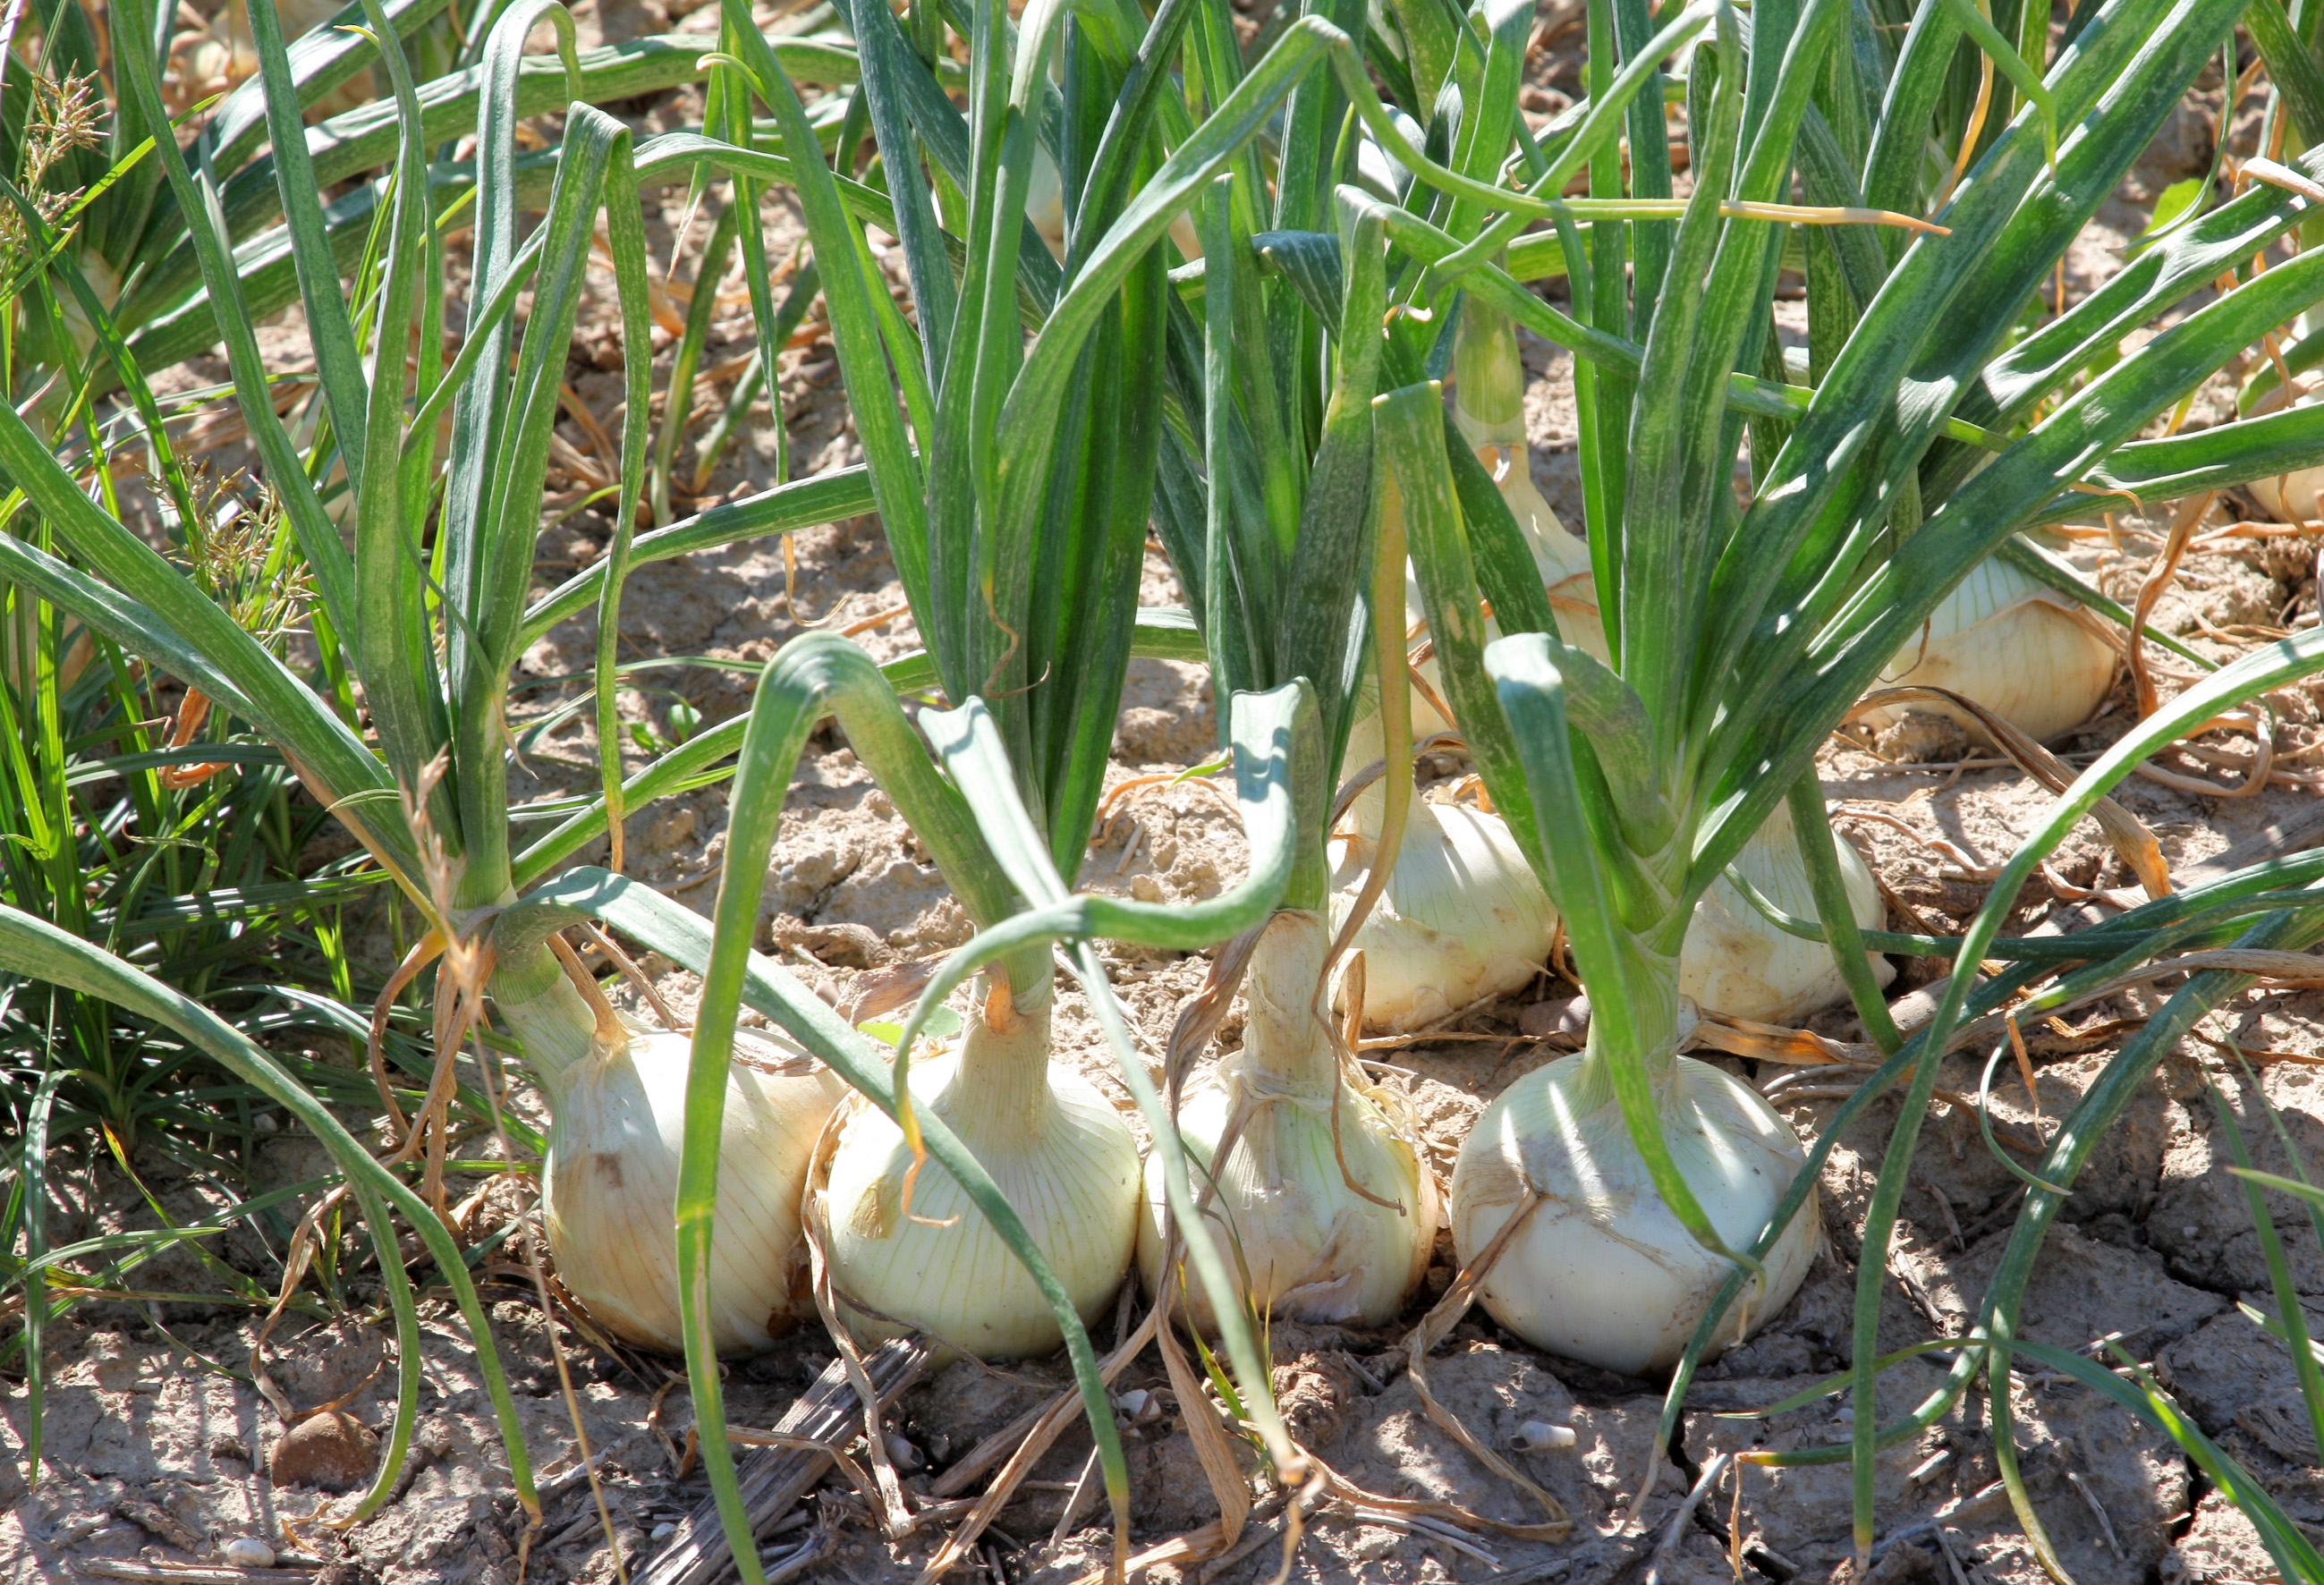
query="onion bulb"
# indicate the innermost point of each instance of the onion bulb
(1045, 206)
(2298, 496)
(2011, 644)
(1461, 919)
(1737, 961)
(1058, 1151)
(1045, 202)
(1312, 1240)
(1462, 915)
(609, 1182)
(1603, 1272)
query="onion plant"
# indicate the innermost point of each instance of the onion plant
(429, 609)
(1740, 630)
(1015, 504)
(426, 607)
(1322, 326)
(1014, 473)
(135, 817)
(419, 615)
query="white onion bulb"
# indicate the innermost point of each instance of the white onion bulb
(1604, 1273)
(1045, 206)
(1737, 961)
(609, 1190)
(609, 1182)
(1308, 1246)
(2011, 644)
(1045, 201)
(1462, 917)
(1058, 1151)
(2298, 496)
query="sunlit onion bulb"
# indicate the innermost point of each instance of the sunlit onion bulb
(1462, 915)
(2011, 644)
(2298, 496)
(1603, 1272)
(609, 1182)
(1045, 206)
(1737, 961)
(1284, 1203)
(1059, 1153)
(1461, 919)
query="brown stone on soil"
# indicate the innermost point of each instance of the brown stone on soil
(333, 1451)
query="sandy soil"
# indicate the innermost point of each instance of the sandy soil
(157, 1441)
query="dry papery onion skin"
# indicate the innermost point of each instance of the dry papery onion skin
(610, 1178)
(1737, 961)
(1462, 917)
(1059, 1152)
(2010, 644)
(1603, 1272)
(1308, 1246)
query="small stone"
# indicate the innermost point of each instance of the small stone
(662, 1532)
(247, 1552)
(1539, 1436)
(333, 1451)
(1545, 1019)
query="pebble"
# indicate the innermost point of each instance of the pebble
(247, 1552)
(1539, 1436)
(663, 1532)
(1542, 1018)
(333, 1451)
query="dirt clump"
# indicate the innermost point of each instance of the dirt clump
(333, 1451)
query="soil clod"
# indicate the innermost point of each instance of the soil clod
(333, 1451)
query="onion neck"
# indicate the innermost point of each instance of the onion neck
(1368, 813)
(1284, 1035)
(544, 1010)
(1655, 1013)
(1000, 1098)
